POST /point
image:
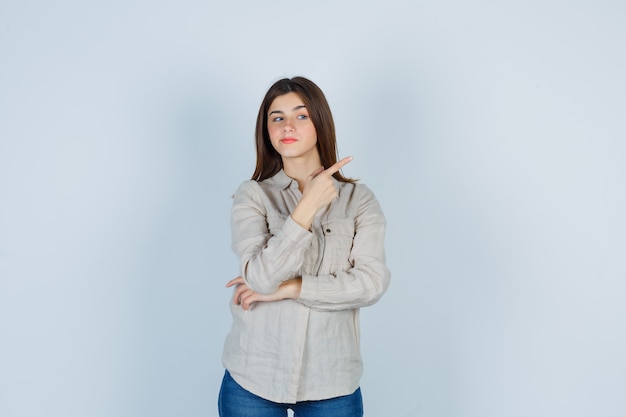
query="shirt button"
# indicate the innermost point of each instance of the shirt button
(327, 230)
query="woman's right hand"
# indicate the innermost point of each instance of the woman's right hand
(318, 192)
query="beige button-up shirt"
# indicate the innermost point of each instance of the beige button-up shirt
(306, 349)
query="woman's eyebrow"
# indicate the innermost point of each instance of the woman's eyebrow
(302, 106)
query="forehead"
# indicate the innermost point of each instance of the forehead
(286, 102)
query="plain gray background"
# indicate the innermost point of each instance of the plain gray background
(492, 133)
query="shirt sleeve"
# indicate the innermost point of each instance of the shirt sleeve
(368, 279)
(266, 259)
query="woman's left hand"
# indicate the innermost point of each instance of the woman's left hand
(245, 296)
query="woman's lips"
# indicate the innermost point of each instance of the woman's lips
(288, 140)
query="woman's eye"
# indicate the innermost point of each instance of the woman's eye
(303, 116)
(277, 119)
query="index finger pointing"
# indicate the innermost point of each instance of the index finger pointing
(338, 165)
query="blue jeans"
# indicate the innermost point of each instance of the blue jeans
(234, 401)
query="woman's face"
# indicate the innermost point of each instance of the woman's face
(291, 130)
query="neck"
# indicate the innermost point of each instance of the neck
(300, 168)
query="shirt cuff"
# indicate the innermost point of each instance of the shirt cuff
(308, 291)
(296, 233)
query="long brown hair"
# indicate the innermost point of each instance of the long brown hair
(268, 161)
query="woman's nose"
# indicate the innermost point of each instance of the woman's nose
(288, 127)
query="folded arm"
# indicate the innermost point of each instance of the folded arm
(367, 280)
(266, 259)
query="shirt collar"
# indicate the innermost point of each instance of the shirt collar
(282, 181)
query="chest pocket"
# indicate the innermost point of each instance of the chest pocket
(338, 238)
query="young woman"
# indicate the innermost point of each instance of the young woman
(311, 248)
